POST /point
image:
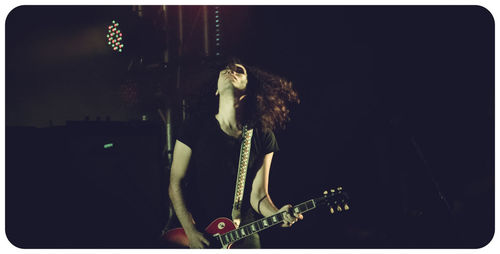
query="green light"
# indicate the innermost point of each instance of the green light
(114, 36)
(106, 146)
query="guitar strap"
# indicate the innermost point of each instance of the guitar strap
(246, 144)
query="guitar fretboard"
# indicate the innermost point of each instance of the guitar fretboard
(259, 225)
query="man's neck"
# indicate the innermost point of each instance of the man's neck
(227, 115)
(227, 110)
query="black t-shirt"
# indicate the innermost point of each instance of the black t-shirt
(211, 176)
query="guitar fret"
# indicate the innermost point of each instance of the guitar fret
(266, 224)
(280, 216)
(253, 228)
(274, 218)
(300, 208)
(310, 205)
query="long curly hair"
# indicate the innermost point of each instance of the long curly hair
(267, 101)
(268, 97)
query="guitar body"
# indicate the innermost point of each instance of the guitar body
(217, 227)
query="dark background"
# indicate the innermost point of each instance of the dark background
(396, 107)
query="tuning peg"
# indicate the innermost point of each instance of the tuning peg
(346, 207)
(339, 208)
(332, 210)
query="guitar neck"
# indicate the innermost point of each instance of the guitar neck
(265, 223)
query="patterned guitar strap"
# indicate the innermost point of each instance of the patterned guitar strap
(242, 173)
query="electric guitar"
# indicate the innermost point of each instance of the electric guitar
(222, 233)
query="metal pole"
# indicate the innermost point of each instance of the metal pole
(180, 52)
(205, 30)
(168, 111)
(164, 9)
(139, 11)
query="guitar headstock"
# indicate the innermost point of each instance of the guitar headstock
(336, 199)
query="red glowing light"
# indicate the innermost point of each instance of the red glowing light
(115, 36)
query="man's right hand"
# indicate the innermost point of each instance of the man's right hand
(197, 240)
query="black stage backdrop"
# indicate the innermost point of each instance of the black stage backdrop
(396, 107)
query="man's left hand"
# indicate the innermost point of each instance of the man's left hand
(289, 217)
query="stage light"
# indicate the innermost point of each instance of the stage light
(106, 146)
(115, 36)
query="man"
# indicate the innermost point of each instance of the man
(210, 146)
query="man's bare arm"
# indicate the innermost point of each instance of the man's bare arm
(261, 201)
(180, 163)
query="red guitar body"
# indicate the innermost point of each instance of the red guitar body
(218, 226)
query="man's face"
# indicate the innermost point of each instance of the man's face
(233, 75)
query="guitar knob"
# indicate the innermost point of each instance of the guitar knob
(332, 210)
(346, 207)
(339, 208)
